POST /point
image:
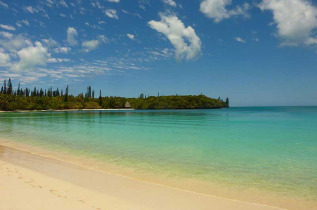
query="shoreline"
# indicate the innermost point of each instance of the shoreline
(64, 110)
(154, 191)
(131, 109)
(237, 196)
(120, 109)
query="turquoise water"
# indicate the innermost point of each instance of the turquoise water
(272, 148)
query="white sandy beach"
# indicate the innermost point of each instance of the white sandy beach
(58, 185)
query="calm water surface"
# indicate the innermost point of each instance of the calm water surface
(266, 147)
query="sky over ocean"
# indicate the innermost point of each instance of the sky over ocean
(261, 52)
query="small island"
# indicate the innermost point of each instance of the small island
(59, 99)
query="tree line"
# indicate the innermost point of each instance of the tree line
(60, 99)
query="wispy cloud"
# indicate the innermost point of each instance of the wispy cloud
(31, 9)
(6, 34)
(58, 69)
(2, 4)
(58, 60)
(22, 22)
(7, 27)
(239, 39)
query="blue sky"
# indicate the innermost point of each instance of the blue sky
(254, 52)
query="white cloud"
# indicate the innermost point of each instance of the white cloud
(125, 11)
(295, 20)
(57, 60)
(112, 13)
(115, 1)
(103, 38)
(216, 9)
(4, 5)
(311, 41)
(131, 36)
(185, 40)
(62, 50)
(6, 34)
(170, 2)
(90, 45)
(97, 5)
(7, 27)
(63, 3)
(30, 57)
(71, 36)
(30, 9)
(239, 39)
(53, 45)
(49, 3)
(4, 58)
(25, 22)
(16, 43)
(77, 71)
(50, 42)
(143, 4)
(156, 54)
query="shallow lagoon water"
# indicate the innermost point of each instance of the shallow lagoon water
(272, 148)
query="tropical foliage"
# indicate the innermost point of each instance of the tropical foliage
(177, 102)
(26, 99)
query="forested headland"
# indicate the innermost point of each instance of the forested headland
(59, 99)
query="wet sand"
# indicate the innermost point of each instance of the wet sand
(30, 181)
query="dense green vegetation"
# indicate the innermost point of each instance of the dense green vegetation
(177, 102)
(26, 99)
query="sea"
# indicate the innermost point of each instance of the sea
(269, 148)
